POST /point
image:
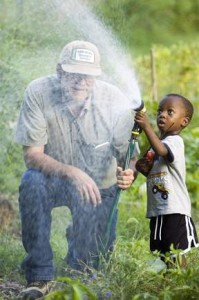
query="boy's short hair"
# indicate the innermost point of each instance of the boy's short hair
(187, 104)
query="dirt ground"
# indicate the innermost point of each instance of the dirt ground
(9, 290)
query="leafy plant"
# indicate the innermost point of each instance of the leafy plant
(73, 289)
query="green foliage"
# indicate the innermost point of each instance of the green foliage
(191, 138)
(74, 290)
(131, 272)
(11, 252)
(142, 23)
(22, 21)
(133, 226)
(177, 70)
(10, 155)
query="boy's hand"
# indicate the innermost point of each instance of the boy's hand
(141, 119)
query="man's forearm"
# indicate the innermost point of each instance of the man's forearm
(36, 158)
(47, 164)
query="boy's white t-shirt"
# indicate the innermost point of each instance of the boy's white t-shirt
(166, 187)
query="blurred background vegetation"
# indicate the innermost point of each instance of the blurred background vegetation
(141, 23)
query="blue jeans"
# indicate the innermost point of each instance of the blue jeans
(38, 195)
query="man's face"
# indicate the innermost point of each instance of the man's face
(77, 86)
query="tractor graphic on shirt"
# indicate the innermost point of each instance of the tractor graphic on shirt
(161, 189)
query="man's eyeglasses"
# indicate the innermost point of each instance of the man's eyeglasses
(79, 77)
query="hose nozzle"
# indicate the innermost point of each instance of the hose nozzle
(136, 128)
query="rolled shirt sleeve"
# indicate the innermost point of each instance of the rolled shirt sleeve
(31, 127)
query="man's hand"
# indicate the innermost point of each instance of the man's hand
(124, 178)
(36, 158)
(86, 187)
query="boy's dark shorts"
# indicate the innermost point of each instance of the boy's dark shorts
(172, 231)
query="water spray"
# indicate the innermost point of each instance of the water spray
(116, 61)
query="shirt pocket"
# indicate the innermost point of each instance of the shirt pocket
(98, 154)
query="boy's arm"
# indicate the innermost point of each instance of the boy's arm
(152, 137)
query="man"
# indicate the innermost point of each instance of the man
(74, 130)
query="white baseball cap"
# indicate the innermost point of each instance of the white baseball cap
(81, 57)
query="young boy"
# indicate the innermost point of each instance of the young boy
(168, 202)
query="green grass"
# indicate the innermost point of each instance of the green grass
(131, 272)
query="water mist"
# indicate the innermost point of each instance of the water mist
(115, 60)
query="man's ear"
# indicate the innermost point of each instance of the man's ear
(185, 122)
(59, 71)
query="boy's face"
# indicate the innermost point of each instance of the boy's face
(171, 115)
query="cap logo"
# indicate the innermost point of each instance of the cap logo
(83, 55)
